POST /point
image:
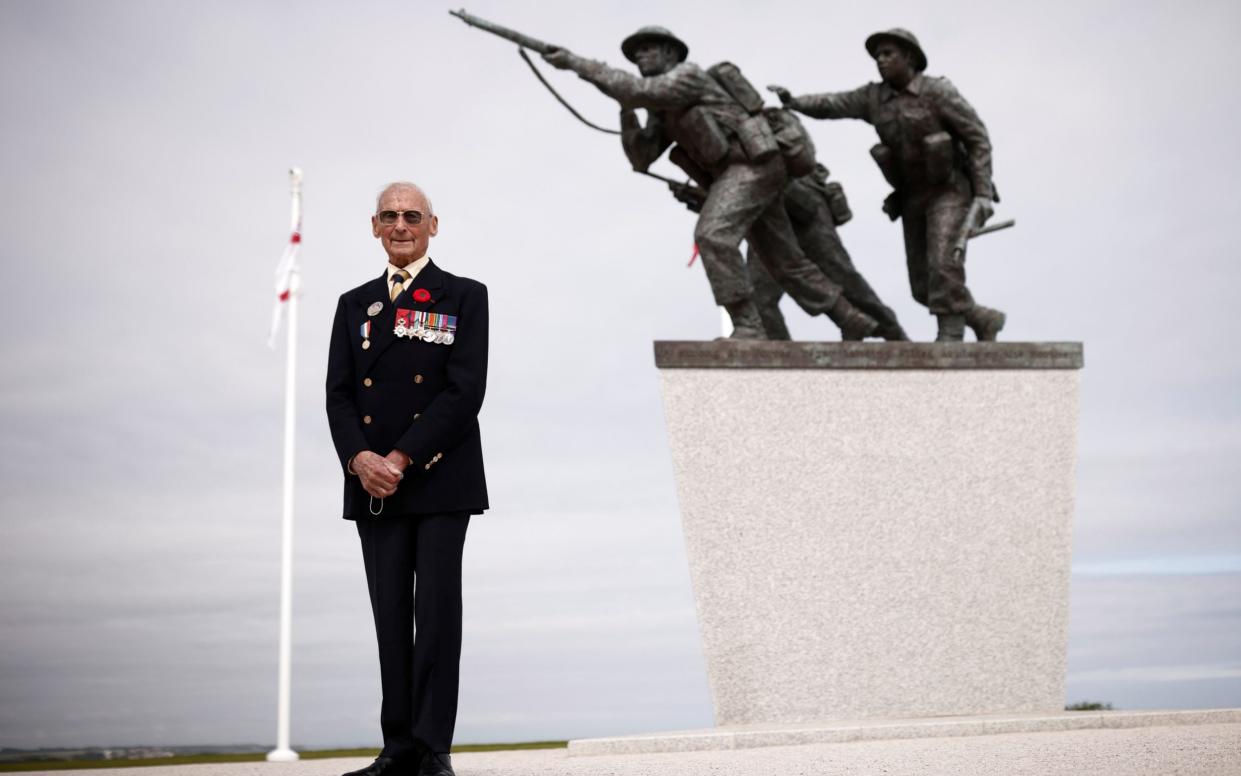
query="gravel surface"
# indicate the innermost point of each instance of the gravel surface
(1189, 750)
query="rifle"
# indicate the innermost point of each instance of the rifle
(992, 228)
(525, 41)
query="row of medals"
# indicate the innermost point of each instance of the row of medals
(418, 331)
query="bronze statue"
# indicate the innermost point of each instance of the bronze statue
(816, 207)
(723, 131)
(936, 154)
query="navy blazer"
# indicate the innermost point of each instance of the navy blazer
(418, 397)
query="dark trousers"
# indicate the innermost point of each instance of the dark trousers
(932, 222)
(746, 201)
(821, 243)
(413, 571)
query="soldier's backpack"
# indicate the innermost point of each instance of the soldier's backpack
(767, 131)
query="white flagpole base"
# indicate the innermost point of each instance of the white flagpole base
(282, 756)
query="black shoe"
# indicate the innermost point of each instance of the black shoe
(384, 766)
(436, 764)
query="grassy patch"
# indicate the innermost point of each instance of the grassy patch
(188, 759)
(1088, 706)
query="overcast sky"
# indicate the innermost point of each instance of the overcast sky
(143, 153)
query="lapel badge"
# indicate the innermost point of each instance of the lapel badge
(374, 309)
(422, 295)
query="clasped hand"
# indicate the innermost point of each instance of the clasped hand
(380, 474)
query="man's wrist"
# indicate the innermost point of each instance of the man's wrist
(349, 464)
(402, 460)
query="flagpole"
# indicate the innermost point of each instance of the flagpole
(283, 751)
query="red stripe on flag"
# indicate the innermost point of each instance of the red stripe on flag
(284, 296)
(296, 238)
(693, 256)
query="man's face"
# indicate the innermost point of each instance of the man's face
(654, 58)
(894, 62)
(404, 242)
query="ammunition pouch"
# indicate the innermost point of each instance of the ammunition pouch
(794, 142)
(757, 139)
(938, 150)
(838, 203)
(709, 143)
(887, 165)
(802, 201)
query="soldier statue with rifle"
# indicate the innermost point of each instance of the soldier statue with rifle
(936, 154)
(718, 120)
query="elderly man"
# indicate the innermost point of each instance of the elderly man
(936, 154)
(407, 366)
(688, 106)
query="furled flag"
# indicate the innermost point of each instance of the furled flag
(287, 269)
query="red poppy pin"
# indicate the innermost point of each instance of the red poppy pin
(422, 295)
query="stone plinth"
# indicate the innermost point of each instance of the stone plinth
(851, 731)
(876, 529)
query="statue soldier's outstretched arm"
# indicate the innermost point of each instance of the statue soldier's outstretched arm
(854, 104)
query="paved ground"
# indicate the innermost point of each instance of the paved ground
(1189, 750)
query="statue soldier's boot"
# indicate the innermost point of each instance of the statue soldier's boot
(985, 322)
(747, 323)
(951, 328)
(854, 324)
(892, 333)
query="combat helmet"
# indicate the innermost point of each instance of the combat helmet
(663, 34)
(904, 38)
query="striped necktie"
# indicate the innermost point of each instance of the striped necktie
(398, 283)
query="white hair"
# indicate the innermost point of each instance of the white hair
(404, 185)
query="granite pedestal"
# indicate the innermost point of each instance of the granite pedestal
(876, 530)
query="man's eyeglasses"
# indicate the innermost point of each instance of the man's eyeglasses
(389, 217)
